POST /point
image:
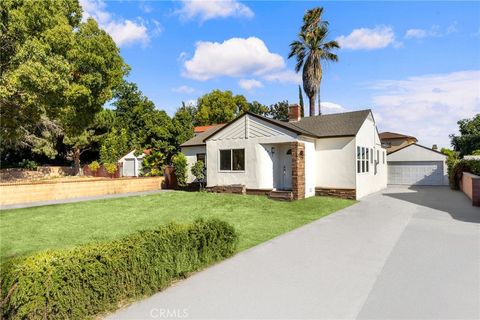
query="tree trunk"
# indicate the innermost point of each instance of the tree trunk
(319, 103)
(311, 101)
(76, 161)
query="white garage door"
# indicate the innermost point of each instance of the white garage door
(426, 173)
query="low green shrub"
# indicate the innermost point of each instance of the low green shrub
(83, 281)
(94, 166)
(111, 168)
(180, 166)
(28, 164)
(455, 170)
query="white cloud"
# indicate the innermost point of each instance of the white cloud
(428, 106)
(249, 84)
(183, 89)
(434, 31)
(368, 39)
(330, 107)
(211, 9)
(417, 33)
(284, 76)
(235, 57)
(123, 31)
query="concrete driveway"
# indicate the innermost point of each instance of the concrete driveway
(405, 253)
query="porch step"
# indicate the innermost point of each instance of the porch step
(281, 195)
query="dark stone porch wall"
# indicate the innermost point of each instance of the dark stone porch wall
(340, 193)
(298, 170)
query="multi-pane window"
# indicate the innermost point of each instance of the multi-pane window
(201, 157)
(232, 160)
(362, 159)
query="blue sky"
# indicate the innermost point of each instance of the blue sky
(416, 64)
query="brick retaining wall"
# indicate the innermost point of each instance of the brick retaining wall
(470, 185)
(33, 192)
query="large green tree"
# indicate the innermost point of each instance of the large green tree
(310, 50)
(219, 107)
(469, 139)
(279, 111)
(182, 126)
(55, 69)
(148, 127)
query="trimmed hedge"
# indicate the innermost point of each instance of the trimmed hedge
(456, 169)
(90, 279)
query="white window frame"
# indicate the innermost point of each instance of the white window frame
(364, 158)
(231, 160)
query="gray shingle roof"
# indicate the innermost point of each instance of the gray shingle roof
(333, 125)
(324, 126)
(198, 139)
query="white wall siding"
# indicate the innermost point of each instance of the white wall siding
(257, 137)
(371, 181)
(191, 155)
(335, 163)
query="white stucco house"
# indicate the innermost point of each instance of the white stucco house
(337, 154)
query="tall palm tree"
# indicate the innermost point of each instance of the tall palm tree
(310, 50)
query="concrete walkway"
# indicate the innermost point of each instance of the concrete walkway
(78, 199)
(403, 253)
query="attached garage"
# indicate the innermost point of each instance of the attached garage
(417, 165)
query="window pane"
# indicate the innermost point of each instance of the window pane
(378, 156)
(366, 154)
(366, 165)
(358, 153)
(201, 157)
(359, 166)
(238, 159)
(363, 166)
(225, 159)
(371, 155)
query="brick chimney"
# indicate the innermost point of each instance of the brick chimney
(434, 147)
(294, 113)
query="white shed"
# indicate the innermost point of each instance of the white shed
(417, 165)
(131, 164)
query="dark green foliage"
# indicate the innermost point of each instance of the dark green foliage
(219, 107)
(180, 165)
(258, 108)
(28, 164)
(300, 101)
(86, 280)
(469, 139)
(279, 111)
(153, 164)
(182, 126)
(198, 170)
(456, 168)
(466, 144)
(115, 145)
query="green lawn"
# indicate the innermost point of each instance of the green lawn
(256, 218)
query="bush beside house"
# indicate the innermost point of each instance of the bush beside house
(456, 169)
(86, 280)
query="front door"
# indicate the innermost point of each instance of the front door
(286, 170)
